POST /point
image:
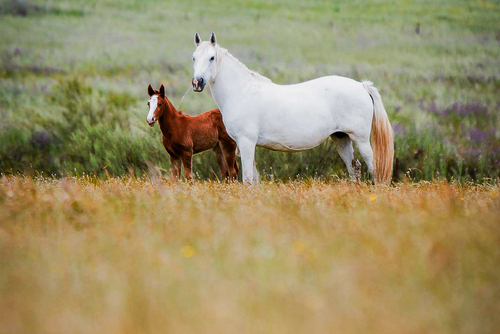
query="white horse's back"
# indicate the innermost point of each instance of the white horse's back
(301, 116)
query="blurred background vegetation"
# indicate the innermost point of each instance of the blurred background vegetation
(73, 78)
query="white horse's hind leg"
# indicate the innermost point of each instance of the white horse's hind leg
(366, 152)
(346, 152)
(247, 149)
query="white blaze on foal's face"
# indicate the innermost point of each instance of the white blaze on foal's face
(153, 103)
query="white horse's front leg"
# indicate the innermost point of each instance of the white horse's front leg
(247, 150)
(255, 173)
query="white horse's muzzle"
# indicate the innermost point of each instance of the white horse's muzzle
(198, 84)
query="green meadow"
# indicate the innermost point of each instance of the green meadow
(73, 78)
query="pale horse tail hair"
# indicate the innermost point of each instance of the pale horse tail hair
(382, 137)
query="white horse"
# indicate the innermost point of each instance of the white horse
(292, 118)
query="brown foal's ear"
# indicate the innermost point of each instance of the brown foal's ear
(151, 91)
(162, 91)
(213, 39)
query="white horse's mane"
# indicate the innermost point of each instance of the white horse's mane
(221, 53)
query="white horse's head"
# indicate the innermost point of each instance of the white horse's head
(204, 62)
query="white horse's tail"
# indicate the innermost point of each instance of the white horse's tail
(382, 137)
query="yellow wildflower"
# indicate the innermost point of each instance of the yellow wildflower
(299, 247)
(187, 251)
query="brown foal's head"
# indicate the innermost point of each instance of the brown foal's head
(156, 104)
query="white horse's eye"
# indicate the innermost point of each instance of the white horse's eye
(193, 58)
(211, 59)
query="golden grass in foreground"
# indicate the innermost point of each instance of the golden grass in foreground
(130, 256)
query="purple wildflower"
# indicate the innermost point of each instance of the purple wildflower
(398, 128)
(478, 136)
(474, 109)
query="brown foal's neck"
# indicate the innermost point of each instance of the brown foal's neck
(168, 117)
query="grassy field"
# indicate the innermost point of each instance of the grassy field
(126, 255)
(95, 238)
(73, 78)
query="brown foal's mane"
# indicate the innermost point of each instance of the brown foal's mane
(166, 98)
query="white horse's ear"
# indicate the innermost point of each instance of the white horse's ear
(197, 39)
(151, 91)
(213, 39)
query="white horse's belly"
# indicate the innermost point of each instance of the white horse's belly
(293, 135)
(290, 146)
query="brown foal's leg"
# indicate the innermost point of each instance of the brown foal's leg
(176, 167)
(221, 161)
(187, 160)
(229, 151)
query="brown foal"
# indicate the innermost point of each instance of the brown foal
(184, 135)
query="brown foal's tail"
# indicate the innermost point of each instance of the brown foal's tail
(382, 137)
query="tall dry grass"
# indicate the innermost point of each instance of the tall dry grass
(83, 255)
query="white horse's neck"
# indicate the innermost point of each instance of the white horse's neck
(232, 78)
